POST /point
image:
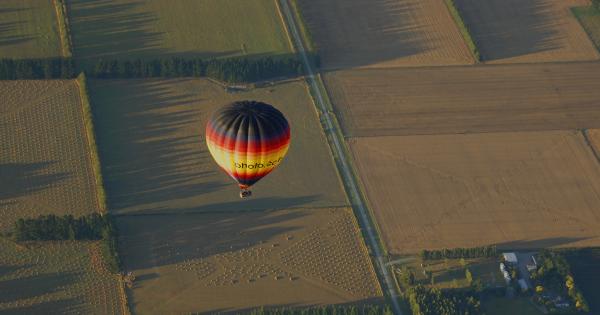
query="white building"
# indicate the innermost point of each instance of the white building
(510, 258)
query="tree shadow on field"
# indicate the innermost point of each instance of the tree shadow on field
(530, 26)
(64, 306)
(103, 29)
(8, 29)
(297, 306)
(157, 240)
(20, 179)
(386, 31)
(34, 286)
(151, 150)
(540, 243)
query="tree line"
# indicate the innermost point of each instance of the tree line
(433, 301)
(67, 227)
(231, 70)
(554, 273)
(453, 253)
(31, 69)
(328, 310)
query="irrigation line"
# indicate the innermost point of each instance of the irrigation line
(352, 187)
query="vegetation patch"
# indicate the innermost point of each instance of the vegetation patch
(589, 17)
(27, 69)
(433, 301)
(584, 264)
(453, 253)
(464, 30)
(328, 309)
(63, 27)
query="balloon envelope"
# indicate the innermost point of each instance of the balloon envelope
(248, 139)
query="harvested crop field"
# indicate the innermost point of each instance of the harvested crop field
(56, 278)
(384, 33)
(155, 28)
(28, 29)
(527, 30)
(44, 161)
(376, 102)
(234, 261)
(513, 189)
(155, 159)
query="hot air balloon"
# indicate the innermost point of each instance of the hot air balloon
(248, 140)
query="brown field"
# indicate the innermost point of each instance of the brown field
(234, 261)
(44, 164)
(527, 30)
(514, 189)
(56, 278)
(376, 102)
(593, 136)
(384, 33)
(155, 160)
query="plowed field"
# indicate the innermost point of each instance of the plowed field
(527, 30)
(384, 33)
(374, 102)
(234, 261)
(516, 190)
(44, 163)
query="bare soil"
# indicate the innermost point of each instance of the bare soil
(513, 189)
(508, 31)
(236, 261)
(375, 102)
(384, 33)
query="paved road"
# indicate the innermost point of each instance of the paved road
(337, 147)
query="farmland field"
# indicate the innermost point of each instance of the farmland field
(152, 29)
(155, 160)
(44, 163)
(233, 261)
(527, 30)
(513, 189)
(56, 278)
(384, 33)
(28, 29)
(376, 102)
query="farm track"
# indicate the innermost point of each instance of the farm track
(339, 150)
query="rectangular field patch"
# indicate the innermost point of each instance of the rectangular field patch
(471, 99)
(514, 189)
(44, 154)
(384, 33)
(237, 261)
(509, 31)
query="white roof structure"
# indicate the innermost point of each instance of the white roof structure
(510, 257)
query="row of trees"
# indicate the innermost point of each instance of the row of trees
(67, 227)
(227, 70)
(230, 70)
(454, 253)
(27, 69)
(433, 301)
(328, 310)
(554, 273)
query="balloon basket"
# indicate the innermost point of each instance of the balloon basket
(245, 193)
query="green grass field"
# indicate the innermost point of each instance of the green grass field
(28, 29)
(151, 29)
(56, 278)
(589, 17)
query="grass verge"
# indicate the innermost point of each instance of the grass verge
(589, 18)
(63, 27)
(91, 137)
(463, 29)
(305, 33)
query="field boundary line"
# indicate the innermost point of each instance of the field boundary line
(588, 141)
(285, 26)
(336, 144)
(583, 26)
(94, 159)
(62, 19)
(464, 30)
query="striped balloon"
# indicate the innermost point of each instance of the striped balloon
(248, 139)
